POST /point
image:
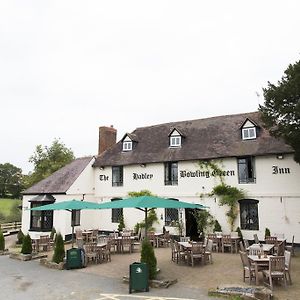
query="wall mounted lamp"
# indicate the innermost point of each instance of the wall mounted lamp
(279, 156)
(102, 168)
(143, 165)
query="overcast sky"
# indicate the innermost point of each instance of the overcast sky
(68, 67)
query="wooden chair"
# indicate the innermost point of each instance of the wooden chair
(256, 240)
(276, 271)
(196, 253)
(185, 239)
(94, 236)
(106, 253)
(174, 252)
(44, 243)
(248, 268)
(181, 255)
(151, 238)
(280, 249)
(214, 239)
(291, 247)
(256, 250)
(227, 243)
(126, 243)
(164, 240)
(287, 262)
(90, 252)
(271, 240)
(79, 237)
(208, 251)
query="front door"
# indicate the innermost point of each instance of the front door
(191, 225)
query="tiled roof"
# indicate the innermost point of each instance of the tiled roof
(209, 138)
(60, 181)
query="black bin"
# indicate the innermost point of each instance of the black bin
(75, 258)
(138, 277)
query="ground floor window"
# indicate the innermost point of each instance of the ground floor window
(116, 213)
(249, 214)
(41, 220)
(171, 216)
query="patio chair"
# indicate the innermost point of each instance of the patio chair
(276, 271)
(94, 236)
(271, 240)
(291, 247)
(280, 249)
(126, 243)
(208, 251)
(164, 239)
(185, 239)
(256, 240)
(213, 237)
(181, 255)
(79, 237)
(90, 252)
(44, 243)
(247, 267)
(256, 250)
(173, 251)
(106, 251)
(196, 253)
(151, 238)
(287, 262)
(227, 243)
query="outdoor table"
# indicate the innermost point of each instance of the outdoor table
(86, 234)
(157, 235)
(234, 240)
(267, 248)
(262, 261)
(118, 241)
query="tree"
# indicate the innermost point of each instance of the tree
(148, 257)
(10, 181)
(47, 160)
(59, 249)
(281, 111)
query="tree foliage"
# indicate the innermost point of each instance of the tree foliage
(148, 257)
(47, 160)
(2, 241)
(59, 249)
(10, 181)
(26, 246)
(281, 110)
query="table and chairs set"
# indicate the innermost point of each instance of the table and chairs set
(270, 258)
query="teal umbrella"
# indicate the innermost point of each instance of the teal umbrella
(145, 202)
(70, 205)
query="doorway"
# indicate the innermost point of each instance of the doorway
(191, 225)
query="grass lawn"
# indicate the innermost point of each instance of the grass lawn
(7, 204)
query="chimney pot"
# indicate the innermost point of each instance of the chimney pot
(107, 138)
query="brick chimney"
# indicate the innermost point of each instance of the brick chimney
(107, 138)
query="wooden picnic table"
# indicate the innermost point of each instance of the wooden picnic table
(262, 261)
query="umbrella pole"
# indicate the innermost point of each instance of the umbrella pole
(72, 235)
(146, 221)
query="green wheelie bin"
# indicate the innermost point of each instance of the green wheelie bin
(138, 277)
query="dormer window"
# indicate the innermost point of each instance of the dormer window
(248, 130)
(127, 144)
(175, 139)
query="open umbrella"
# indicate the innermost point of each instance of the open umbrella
(145, 202)
(70, 205)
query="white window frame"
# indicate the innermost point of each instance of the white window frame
(175, 141)
(249, 133)
(127, 145)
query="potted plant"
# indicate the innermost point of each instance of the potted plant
(59, 249)
(148, 257)
(26, 250)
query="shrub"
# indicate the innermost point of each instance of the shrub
(59, 249)
(20, 237)
(121, 225)
(217, 226)
(2, 241)
(53, 231)
(26, 246)
(267, 232)
(148, 257)
(238, 230)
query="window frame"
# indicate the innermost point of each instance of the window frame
(249, 169)
(175, 141)
(246, 133)
(119, 177)
(169, 214)
(116, 213)
(127, 146)
(250, 208)
(40, 216)
(169, 176)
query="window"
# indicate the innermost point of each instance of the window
(171, 216)
(175, 141)
(75, 217)
(117, 176)
(171, 173)
(127, 146)
(246, 170)
(116, 213)
(249, 214)
(249, 133)
(41, 220)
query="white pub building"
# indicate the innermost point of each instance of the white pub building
(166, 160)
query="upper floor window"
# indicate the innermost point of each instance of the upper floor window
(127, 144)
(246, 169)
(175, 139)
(117, 176)
(171, 173)
(249, 214)
(248, 130)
